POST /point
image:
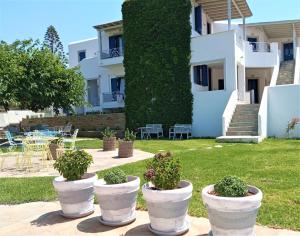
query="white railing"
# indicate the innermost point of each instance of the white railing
(112, 52)
(275, 70)
(260, 46)
(113, 97)
(263, 114)
(297, 67)
(229, 111)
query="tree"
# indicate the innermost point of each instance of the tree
(39, 78)
(157, 36)
(52, 41)
(10, 73)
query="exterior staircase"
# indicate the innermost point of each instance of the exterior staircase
(244, 121)
(286, 73)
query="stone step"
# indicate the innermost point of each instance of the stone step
(242, 128)
(239, 139)
(243, 123)
(237, 118)
(241, 133)
(245, 112)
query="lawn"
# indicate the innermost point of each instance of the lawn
(273, 166)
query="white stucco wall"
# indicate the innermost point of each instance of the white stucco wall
(209, 106)
(283, 105)
(89, 45)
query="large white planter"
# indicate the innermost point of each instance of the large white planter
(76, 197)
(168, 208)
(232, 216)
(117, 201)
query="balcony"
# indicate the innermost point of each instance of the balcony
(261, 54)
(113, 100)
(112, 56)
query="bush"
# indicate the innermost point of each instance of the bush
(157, 38)
(129, 135)
(73, 164)
(108, 133)
(115, 176)
(163, 171)
(231, 186)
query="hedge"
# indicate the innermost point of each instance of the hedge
(157, 37)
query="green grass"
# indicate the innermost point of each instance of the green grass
(273, 166)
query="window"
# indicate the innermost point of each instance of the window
(221, 84)
(201, 75)
(116, 46)
(118, 85)
(208, 28)
(92, 92)
(198, 19)
(81, 55)
(253, 42)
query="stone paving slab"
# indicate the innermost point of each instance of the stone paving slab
(102, 160)
(43, 219)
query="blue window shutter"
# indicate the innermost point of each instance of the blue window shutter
(197, 71)
(198, 19)
(114, 85)
(204, 75)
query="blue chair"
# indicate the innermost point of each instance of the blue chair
(10, 140)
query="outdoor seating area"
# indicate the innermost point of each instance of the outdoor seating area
(177, 131)
(36, 148)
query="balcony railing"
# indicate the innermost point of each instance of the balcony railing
(113, 97)
(260, 46)
(112, 52)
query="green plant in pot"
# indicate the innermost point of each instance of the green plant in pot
(167, 196)
(109, 139)
(126, 144)
(117, 194)
(75, 185)
(56, 144)
(232, 206)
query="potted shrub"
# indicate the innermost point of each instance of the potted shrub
(75, 186)
(117, 194)
(54, 145)
(232, 207)
(109, 140)
(166, 195)
(126, 145)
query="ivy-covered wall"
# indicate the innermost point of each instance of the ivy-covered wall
(157, 35)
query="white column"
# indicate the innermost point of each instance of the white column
(229, 14)
(294, 40)
(100, 44)
(244, 28)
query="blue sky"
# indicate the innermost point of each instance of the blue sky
(23, 19)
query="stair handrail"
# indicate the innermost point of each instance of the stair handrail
(297, 66)
(229, 111)
(263, 114)
(275, 70)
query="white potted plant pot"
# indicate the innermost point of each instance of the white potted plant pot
(230, 216)
(168, 208)
(75, 187)
(117, 201)
(76, 197)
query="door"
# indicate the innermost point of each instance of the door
(288, 51)
(253, 42)
(253, 85)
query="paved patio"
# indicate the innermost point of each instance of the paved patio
(102, 160)
(41, 218)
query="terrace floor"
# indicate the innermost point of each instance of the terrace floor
(42, 218)
(102, 161)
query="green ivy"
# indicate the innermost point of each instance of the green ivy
(157, 37)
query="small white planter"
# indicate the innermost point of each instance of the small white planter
(76, 197)
(232, 215)
(168, 209)
(117, 201)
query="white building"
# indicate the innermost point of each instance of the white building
(245, 78)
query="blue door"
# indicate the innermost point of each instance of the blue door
(288, 51)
